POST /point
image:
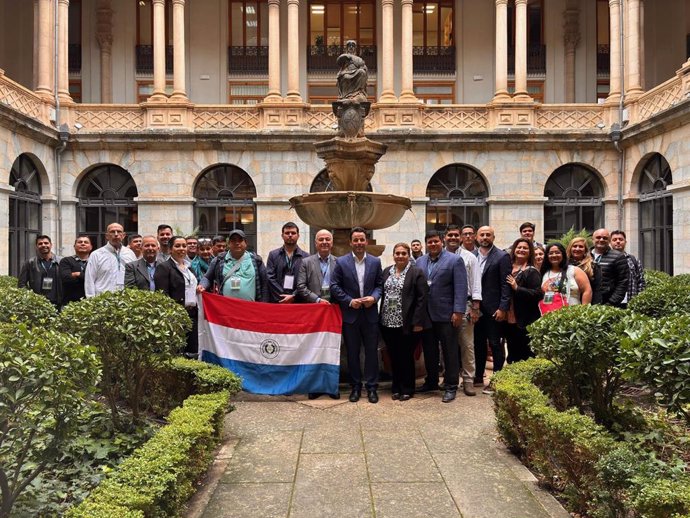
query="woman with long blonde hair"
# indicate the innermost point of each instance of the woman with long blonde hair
(580, 256)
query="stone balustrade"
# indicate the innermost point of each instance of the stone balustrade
(188, 117)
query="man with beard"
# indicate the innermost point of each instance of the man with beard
(41, 273)
(283, 264)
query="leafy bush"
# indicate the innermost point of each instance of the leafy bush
(655, 277)
(23, 306)
(571, 234)
(7, 281)
(159, 477)
(45, 379)
(584, 341)
(664, 299)
(657, 352)
(597, 475)
(170, 385)
(134, 332)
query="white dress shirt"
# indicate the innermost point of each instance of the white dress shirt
(105, 270)
(474, 274)
(359, 268)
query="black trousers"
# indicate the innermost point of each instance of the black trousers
(445, 333)
(487, 329)
(192, 346)
(362, 333)
(401, 350)
(518, 343)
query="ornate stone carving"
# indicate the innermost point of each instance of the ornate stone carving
(660, 99)
(455, 118)
(571, 28)
(569, 118)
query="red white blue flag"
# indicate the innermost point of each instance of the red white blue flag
(276, 349)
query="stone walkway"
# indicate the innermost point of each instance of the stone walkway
(291, 457)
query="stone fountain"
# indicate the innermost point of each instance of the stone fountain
(350, 163)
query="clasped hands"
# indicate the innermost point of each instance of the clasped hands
(366, 302)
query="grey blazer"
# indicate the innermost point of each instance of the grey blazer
(137, 275)
(309, 278)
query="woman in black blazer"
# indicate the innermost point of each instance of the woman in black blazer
(525, 281)
(176, 279)
(403, 316)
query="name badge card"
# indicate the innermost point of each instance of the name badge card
(289, 282)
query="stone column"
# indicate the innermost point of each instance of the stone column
(634, 43)
(179, 90)
(614, 52)
(387, 90)
(571, 39)
(521, 51)
(273, 52)
(158, 51)
(104, 36)
(63, 67)
(293, 47)
(45, 49)
(34, 76)
(407, 69)
(501, 51)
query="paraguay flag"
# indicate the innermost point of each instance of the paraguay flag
(276, 349)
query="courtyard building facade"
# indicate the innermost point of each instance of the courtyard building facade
(203, 115)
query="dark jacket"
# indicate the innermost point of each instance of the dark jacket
(448, 292)
(169, 279)
(277, 268)
(527, 296)
(72, 287)
(614, 277)
(32, 274)
(137, 275)
(414, 299)
(496, 291)
(214, 275)
(345, 287)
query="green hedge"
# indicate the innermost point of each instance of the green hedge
(159, 477)
(664, 299)
(570, 452)
(23, 306)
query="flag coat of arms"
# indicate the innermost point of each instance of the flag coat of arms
(276, 349)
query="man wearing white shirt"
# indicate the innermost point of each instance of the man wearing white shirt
(105, 270)
(474, 297)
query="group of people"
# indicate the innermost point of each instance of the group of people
(462, 297)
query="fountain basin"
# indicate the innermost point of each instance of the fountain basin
(347, 209)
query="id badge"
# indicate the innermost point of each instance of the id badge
(289, 282)
(326, 293)
(548, 297)
(235, 283)
(394, 301)
(47, 284)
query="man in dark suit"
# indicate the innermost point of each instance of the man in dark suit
(495, 266)
(139, 273)
(282, 266)
(447, 301)
(314, 279)
(72, 270)
(356, 285)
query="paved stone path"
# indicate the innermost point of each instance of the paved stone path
(291, 457)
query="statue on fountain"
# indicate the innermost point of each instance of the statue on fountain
(352, 106)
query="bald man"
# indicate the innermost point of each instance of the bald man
(495, 266)
(105, 270)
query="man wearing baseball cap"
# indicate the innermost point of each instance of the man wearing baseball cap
(237, 273)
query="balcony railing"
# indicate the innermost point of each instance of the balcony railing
(74, 58)
(145, 59)
(536, 59)
(433, 59)
(248, 60)
(322, 57)
(603, 60)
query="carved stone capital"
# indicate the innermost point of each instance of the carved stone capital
(407, 2)
(178, 2)
(501, 2)
(274, 3)
(292, 2)
(571, 28)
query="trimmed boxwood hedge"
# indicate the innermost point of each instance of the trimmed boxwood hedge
(597, 474)
(159, 477)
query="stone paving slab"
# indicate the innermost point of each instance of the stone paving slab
(297, 458)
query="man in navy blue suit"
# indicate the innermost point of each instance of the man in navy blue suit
(447, 279)
(356, 285)
(495, 266)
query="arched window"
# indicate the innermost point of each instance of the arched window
(106, 195)
(656, 215)
(457, 195)
(224, 202)
(25, 211)
(574, 201)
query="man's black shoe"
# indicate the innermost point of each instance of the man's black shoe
(427, 388)
(334, 396)
(448, 396)
(314, 395)
(355, 394)
(372, 396)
